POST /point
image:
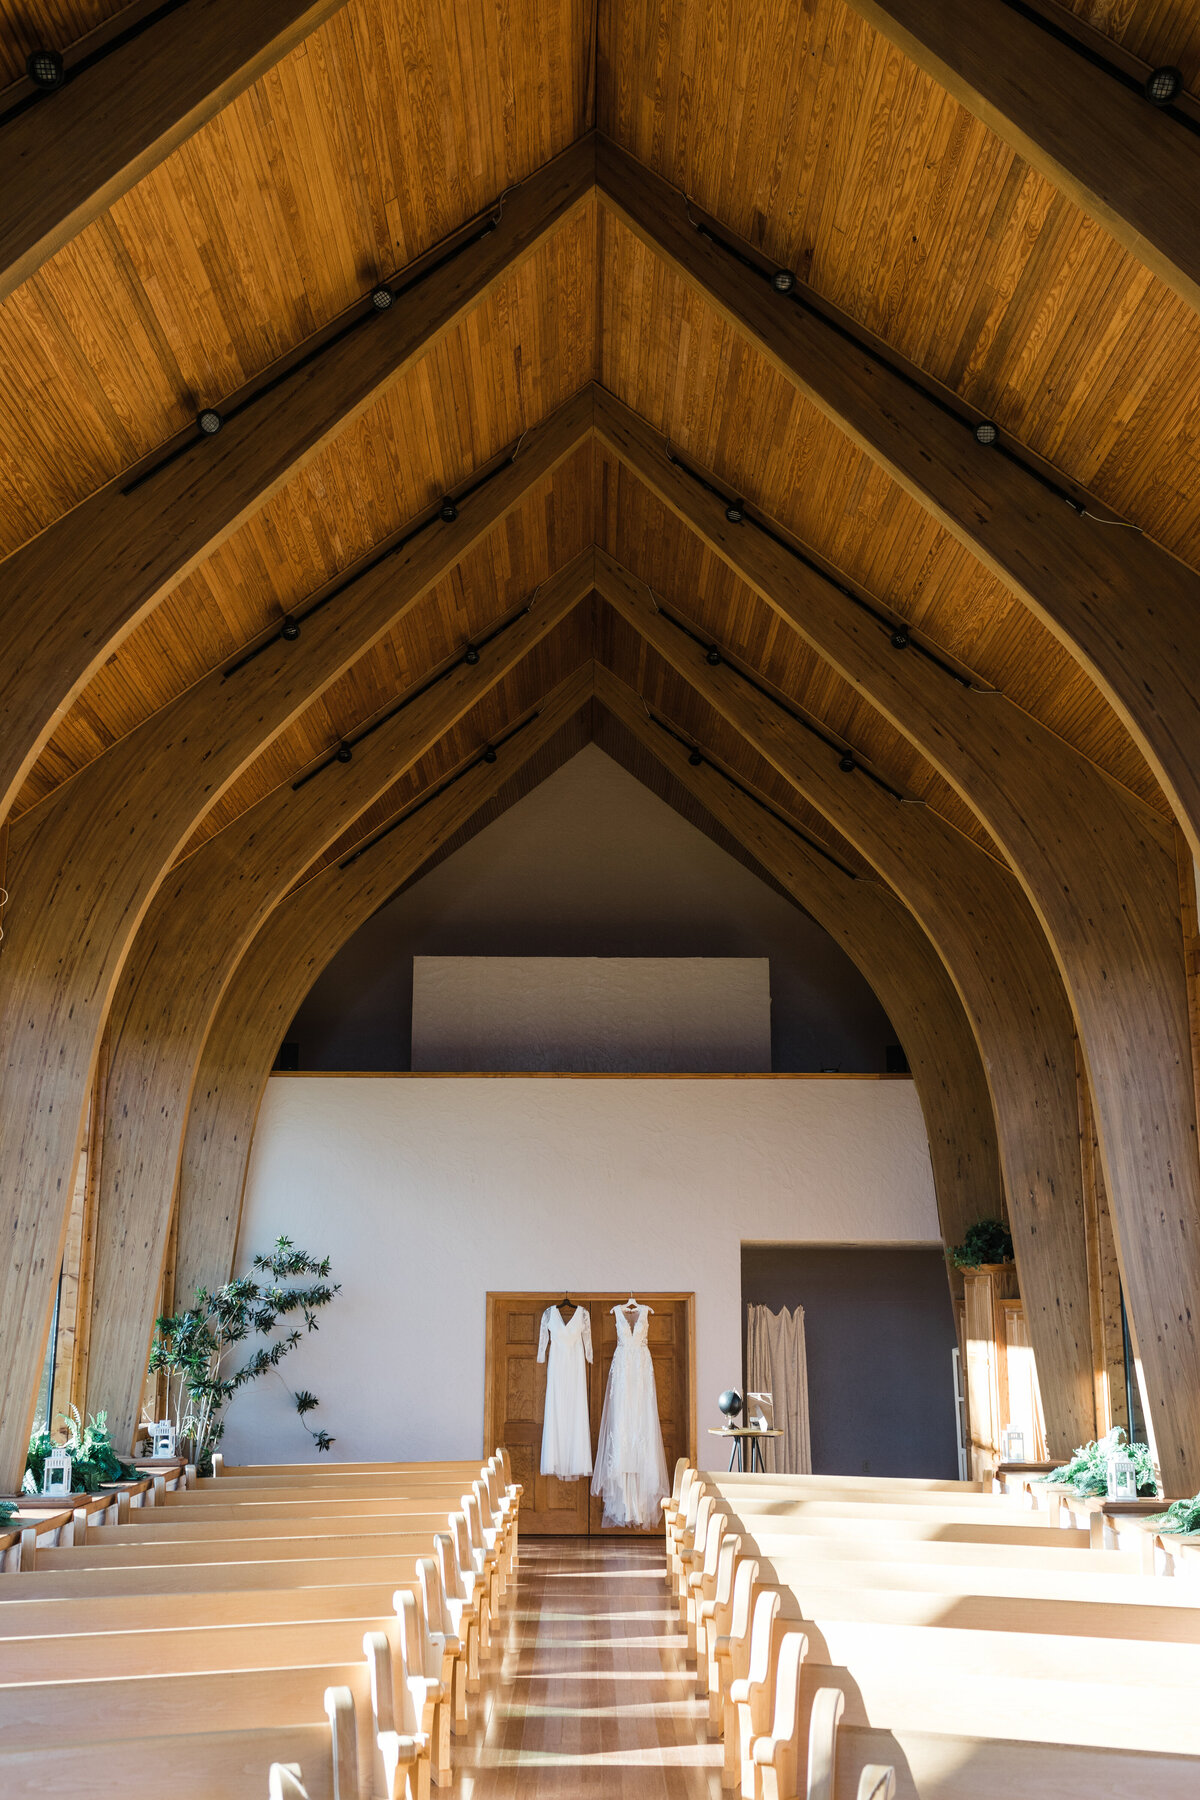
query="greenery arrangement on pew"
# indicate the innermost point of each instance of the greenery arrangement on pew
(193, 1348)
(1087, 1472)
(987, 1241)
(94, 1461)
(1181, 1516)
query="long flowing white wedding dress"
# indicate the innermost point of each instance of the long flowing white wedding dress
(566, 1427)
(631, 1465)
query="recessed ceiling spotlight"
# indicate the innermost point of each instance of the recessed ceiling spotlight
(344, 753)
(470, 655)
(290, 629)
(735, 512)
(783, 281)
(209, 422)
(695, 758)
(1163, 86)
(382, 298)
(985, 432)
(448, 511)
(847, 764)
(900, 638)
(489, 755)
(45, 69)
(712, 657)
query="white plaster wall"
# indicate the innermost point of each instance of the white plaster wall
(649, 1014)
(427, 1192)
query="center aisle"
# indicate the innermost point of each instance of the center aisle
(591, 1693)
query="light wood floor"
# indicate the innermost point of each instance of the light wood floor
(590, 1694)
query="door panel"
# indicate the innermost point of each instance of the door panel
(515, 1394)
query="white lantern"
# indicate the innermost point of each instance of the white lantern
(1012, 1444)
(162, 1439)
(56, 1473)
(1122, 1477)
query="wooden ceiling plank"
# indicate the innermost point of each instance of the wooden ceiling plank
(291, 948)
(177, 968)
(73, 592)
(69, 155)
(885, 941)
(1120, 603)
(1100, 873)
(85, 864)
(1124, 162)
(990, 941)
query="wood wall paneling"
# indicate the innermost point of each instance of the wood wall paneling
(1102, 876)
(288, 953)
(886, 942)
(66, 159)
(1122, 161)
(73, 592)
(178, 965)
(1119, 602)
(990, 941)
(84, 867)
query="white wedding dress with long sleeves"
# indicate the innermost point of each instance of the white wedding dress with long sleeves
(631, 1465)
(566, 1427)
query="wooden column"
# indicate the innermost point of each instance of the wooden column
(84, 865)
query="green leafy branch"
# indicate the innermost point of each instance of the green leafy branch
(1087, 1472)
(987, 1241)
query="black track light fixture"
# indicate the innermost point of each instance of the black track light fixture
(986, 433)
(696, 759)
(735, 512)
(489, 755)
(289, 631)
(900, 639)
(783, 281)
(209, 422)
(382, 298)
(344, 753)
(1163, 86)
(847, 764)
(448, 511)
(712, 657)
(470, 656)
(45, 69)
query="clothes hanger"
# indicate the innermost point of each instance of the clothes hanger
(565, 1301)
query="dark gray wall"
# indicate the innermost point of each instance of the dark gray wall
(878, 1332)
(592, 864)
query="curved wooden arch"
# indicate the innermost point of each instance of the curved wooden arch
(287, 954)
(885, 941)
(1125, 607)
(73, 592)
(987, 936)
(1100, 872)
(83, 867)
(178, 965)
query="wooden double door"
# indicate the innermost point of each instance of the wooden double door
(515, 1392)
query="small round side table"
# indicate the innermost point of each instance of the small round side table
(738, 1436)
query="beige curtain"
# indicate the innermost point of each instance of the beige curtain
(776, 1364)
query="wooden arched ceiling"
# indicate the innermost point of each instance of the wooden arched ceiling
(805, 139)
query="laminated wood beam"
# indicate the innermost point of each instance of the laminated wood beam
(288, 953)
(887, 944)
(1128, 165)
(987, 936)
(178, 966)
(85, 864)
(68, 154)
(1100, 872)
(1121, 604)
(72, 593)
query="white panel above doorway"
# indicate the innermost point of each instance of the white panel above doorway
(662, 1015)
